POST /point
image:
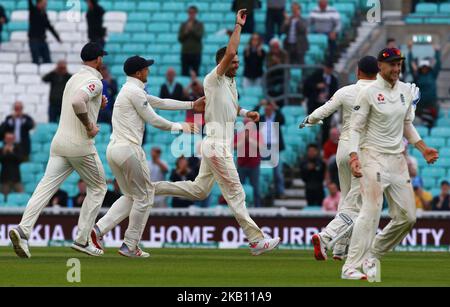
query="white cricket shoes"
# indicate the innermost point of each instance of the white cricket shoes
(88, 249)
(20, 244)
(263, 246)
(353, 274)
(137, 253)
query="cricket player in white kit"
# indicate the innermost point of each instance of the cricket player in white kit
(72, 148)
(217, 163)
(383, 114)
(338, 231)
(132, 109)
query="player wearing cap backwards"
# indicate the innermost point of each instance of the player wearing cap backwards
(217, 163)
(338, 231)
(382, 115)
(132, 109)
(72, 148)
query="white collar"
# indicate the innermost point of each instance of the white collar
(364, 82)
(136, 82)
(383, 83)
(93, 71)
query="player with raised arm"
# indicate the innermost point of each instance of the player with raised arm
(217, 163)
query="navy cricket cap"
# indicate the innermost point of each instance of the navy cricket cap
(368, 65)
(91, 51)
(390, 55)
(136, 63)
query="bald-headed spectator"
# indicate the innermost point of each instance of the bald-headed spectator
(190, 36)
(171, 89)
(57, 80)
(38, 24)
(19, 124)
(11, 156)
(331, 145)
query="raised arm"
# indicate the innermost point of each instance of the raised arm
(233, 43)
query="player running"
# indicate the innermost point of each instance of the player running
(338, 231)
(217, 162)
(132, 109)
(382, 115)
(72, 148)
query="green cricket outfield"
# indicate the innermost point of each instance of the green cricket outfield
(213, 268)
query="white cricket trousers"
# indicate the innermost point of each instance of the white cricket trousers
(129, 165)
(91, 171)
(386, 173)
(350, 202)
(217, 165)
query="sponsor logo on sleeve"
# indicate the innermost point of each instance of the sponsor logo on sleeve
(91, 87)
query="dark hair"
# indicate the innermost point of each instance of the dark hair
(444, 182)
(390, 40)
(177, 163)
(193, 7)
(220, 54)
(312, 145)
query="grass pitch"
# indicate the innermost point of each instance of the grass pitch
(213, 267)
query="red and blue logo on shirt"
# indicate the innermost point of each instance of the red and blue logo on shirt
(380, 99)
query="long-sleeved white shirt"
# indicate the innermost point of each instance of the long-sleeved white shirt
(382, 116)
(71, 139)
(133, 108)
(343, 99)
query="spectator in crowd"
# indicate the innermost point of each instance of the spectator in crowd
(38, 24)
(158, 170)
(273, 139)
(79, 198)
(296, 30)
(254, 57)
(60, 199)
(318, 89)
(181, 173)
(331, 202)
(20, 125)
(94, 17)
(3, 21)
(423, 198)
(248, 144)
(326, 20)
(250, 6)
(193, 92)
(276, 56)
(112, 195)
(190, 36)
(331, 145)
(425, 76)
(57, 80)
(332, 173)
(274, 18)
(110, 90)
(313, 173)
(442, 201)
(171, 89)
(10, 158)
